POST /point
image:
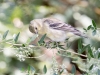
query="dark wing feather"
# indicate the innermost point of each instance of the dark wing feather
(56, 24)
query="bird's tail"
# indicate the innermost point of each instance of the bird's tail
(78, 33)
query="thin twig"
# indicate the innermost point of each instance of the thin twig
(20, 45)
(36, 57)
(75, 53)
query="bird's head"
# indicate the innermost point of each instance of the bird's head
(35, 26)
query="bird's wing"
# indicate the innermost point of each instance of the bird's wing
(59, 25)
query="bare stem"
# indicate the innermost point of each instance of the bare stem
(75, 53)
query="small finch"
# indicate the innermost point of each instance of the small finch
(55, 29)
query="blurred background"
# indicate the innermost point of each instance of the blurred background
(15, 16)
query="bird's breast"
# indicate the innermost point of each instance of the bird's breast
(56, 35)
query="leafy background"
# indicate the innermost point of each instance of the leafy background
(15, 16)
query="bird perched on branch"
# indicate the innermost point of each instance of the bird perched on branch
(55, 29)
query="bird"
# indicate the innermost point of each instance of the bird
(54, 29)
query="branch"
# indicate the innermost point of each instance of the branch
(76, 53)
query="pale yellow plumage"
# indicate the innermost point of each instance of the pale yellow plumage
(55, 29)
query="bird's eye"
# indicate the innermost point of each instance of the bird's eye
(36, 28)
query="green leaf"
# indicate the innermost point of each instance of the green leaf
(61, 46)
(79, 46)
(16, 38)
(90, 51)
(31, 69)
(68, 45)
(74, 59)
(94, 32)
(85, 29)
(45, 69)
(8, 40)
(73, 71)
(32, 38)
(58, 52)
(61, 71)
(88, 55)
(94, 24)
(42, 39)
(89, 27)
(68, 54)
(91, 67)
(98, 55)
(28, 69)
(98, 72)
(5, 34)
(84, 48)
(23, 45)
